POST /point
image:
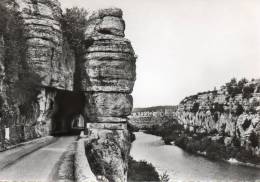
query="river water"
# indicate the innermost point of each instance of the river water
(182, 166)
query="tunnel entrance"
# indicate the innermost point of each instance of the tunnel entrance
(68, 116)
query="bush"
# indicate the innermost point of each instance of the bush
(193, 146)
(195, 107)
(233, 88)
(164, 177)
(182, 142)
(248, 90)
(239, 110)
(244, 155)
(205, 142)
(169, 131)
(253, 139)
(141, 171)
(236, 142)
(247, 156)
(168, 139)
(246, 124)
(216, 151)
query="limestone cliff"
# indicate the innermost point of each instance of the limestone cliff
(47, 51)
(37, 81)
(108, 78)
(225, 113)
(41, 60)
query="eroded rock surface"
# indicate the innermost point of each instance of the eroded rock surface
(220, 115)
(38, 95)
(108, 78)
(45, 53)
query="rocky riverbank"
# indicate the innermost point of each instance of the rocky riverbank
(220, 124)
(202, 144)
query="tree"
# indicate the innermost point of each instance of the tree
(233, 88)
(239, 110)
(242, 82)
(248, 90)
(195, 107)
(74, 24)
(253, 139)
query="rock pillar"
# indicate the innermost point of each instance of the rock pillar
(108, 76)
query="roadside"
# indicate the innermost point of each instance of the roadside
(19, 151)
(40, 165)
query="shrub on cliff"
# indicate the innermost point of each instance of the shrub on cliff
(239, 110)
(74, 24)
(248, 90)
(246, 123)
(195, 107)
(141, 171)
(232, 87)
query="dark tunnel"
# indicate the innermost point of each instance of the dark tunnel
(68, 118)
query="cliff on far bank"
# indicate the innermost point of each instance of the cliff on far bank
(231, 113)
(221, 124)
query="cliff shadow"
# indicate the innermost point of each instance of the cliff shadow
(68, 118)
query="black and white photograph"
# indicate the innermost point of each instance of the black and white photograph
(129, 91)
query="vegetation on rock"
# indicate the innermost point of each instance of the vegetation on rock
(141, 171)
(74, 23)
(202, 143)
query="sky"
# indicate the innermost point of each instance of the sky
(187, 46)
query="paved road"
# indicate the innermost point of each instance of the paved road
(40, 165)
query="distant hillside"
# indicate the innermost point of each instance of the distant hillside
(154, 109)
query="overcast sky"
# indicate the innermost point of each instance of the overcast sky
(187, 46)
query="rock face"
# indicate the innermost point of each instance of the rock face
(108, 78)
(219, 114)
(37, 82)
(44, 57)
(45, 53)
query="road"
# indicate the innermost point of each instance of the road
(40, 165)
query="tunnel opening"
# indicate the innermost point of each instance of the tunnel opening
(68, 118)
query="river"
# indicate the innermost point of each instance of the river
(182, 166)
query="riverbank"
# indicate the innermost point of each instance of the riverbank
(203, 144)
(140, 170)
(183, 166)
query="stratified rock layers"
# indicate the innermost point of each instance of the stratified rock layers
(45, 58)
(45, 54)
(108, 78)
